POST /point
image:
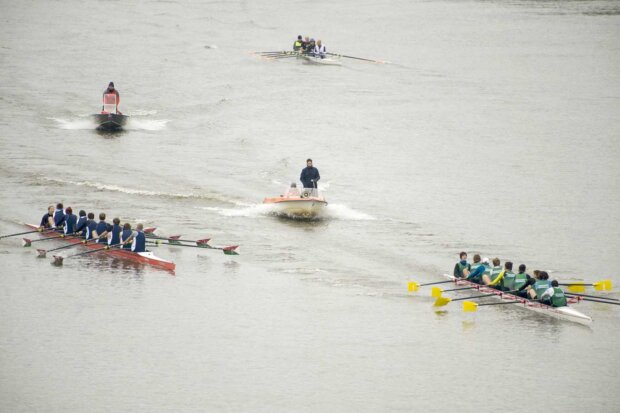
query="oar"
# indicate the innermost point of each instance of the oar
(173, 239)
(591, 296)
(436, 291)
(28, 232)
(441, 301)
(414, 286)
(470, 306)
(201, 243)
(28, 242)
(58, 259)
(230, 250)
(42, 252)
(602, 301)
(579, 287)
(359, 58)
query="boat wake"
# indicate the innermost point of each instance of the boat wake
(75, 124)
(331, 212)
(135, 122)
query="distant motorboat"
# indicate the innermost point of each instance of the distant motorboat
(110, 119)
(295, 203)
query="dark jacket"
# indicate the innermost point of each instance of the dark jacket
(309, 174)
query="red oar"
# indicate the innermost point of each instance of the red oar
(28, 242)
(28, 232)
(58, 259)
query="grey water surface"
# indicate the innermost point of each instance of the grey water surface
(494, 130)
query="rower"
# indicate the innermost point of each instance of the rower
(304, 44)
(554, 296)
(59, 216)
(70, 221)
(125, 235)
(478, 269)
(310, 175)
(111, 90)
(508, 279)
(91, 227)
(47, 221)
(137, 239)
(320, 50)
(522, 281)
(540, 286)
(102, 228)
(114, 234)
(462, 268)
(80, 225)
(310, 47)
(298, 43)
(495, 276)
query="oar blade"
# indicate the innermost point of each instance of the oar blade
(231, 250)
(41, 253)
(604, 285)
(203, 243)
(577, 288)
(26, 242)
(470, 306)
(608, 285)
(436, 292)
(57, 261)
(442, 301)
(413, 286)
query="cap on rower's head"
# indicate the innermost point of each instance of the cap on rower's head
(111, 84)
(69, 210)
(299, 37)
(485, 260)
(82, 213)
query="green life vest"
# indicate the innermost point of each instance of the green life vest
(297, 45)
(463, 267)
(520, 280)
(540, 287)
(508, 282)
(495, 272)
(558, 299)
(487, 270)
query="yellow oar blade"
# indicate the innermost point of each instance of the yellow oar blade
(441, 301)
(577, 288)
(436, 292)
(470, 306)
(604, 285)
(412, 286)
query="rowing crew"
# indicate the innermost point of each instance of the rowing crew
(538, 287)
(84, 225)
(310, 47)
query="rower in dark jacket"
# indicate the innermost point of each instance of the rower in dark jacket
(309, 175)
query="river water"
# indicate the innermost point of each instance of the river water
(494, 130)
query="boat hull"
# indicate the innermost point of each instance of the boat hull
(141, 257)
(318, 61)
(297, 208)
(562, 313)
(110, 121)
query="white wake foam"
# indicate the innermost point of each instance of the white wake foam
(75, 124)
(332, 211)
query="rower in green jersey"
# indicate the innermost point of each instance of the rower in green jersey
(478, 269)
(541, 285)
(462, 268)
(496, 274)
(522, 281)
(508, 280)
(554, 296)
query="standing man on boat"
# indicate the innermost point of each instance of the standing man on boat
(309, 175)
(462, 268)
(137, 239)
(298, 44)
(320, 50)
(113, 91)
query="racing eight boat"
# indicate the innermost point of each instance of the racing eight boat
(146, 257)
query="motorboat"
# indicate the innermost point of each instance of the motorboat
(306, 203)
(110, 119)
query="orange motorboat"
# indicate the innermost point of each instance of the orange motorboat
(296, 203)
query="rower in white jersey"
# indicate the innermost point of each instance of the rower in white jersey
(320, 50)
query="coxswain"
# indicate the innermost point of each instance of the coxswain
(114, 233)
(310, 175)
(113, 91)
(91, 226)
(137, 239)
(125, 235)
(70, 221)
(541, 285)
(59, 216)
(554, 296)
(320, 50)
(47, 221)
(298, 44)
(102, 228)
(462, 268)
(80, 225)
(495, 276)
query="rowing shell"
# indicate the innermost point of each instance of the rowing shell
(318, 61)
(563, 313)
(142, 257)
